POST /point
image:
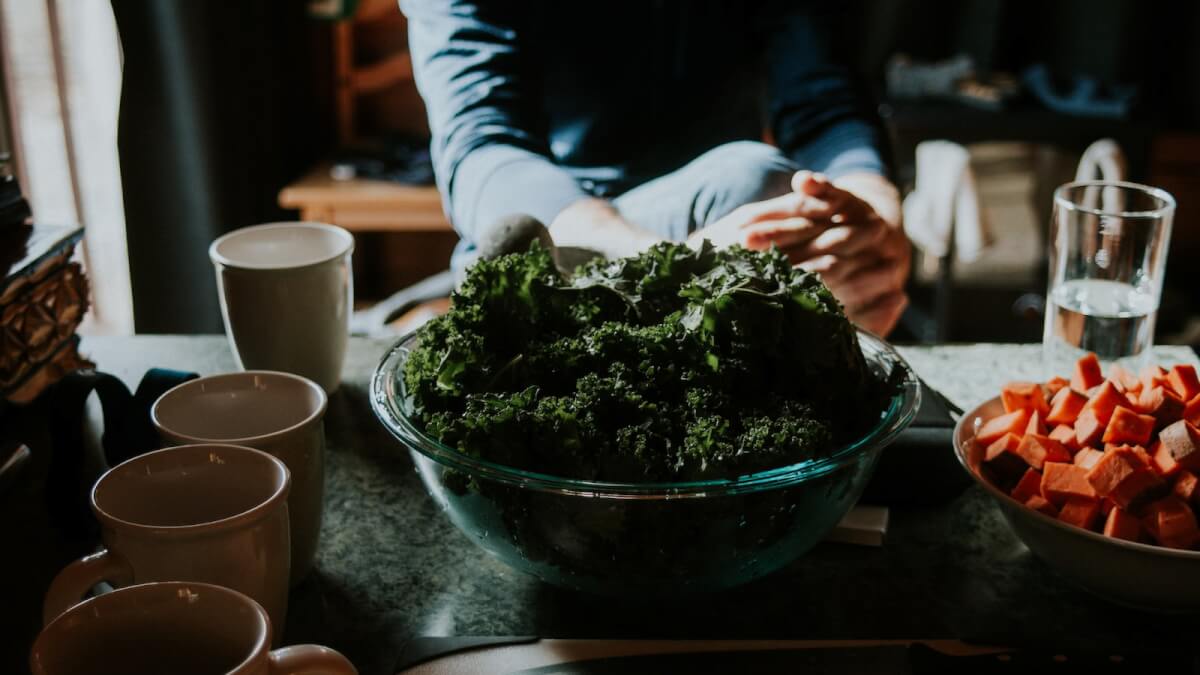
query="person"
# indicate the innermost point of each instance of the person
(629, 122)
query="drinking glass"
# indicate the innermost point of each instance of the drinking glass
(1108, 252)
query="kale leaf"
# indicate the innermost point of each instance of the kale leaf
(676, 364)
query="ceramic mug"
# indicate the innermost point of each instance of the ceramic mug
(278, 413)
(206, 513)
(177, 627)
(287, 296)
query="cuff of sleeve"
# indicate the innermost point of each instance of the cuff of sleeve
(846, 147)
(499, 180)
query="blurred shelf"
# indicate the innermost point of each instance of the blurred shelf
(363, 205)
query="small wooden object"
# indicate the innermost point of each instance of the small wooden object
(43, 297)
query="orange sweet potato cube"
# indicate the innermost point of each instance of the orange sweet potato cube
(1056, 384)
(1115, 466)
(1105, 401)
(1024, 396)
(1081, 512)
(1182, 441)
(1185, 486)
(1191, 411)
(1162, 461)
(1184, 381)
(1152, 376)
(1061, 481)
(1065, 434)
(1036, 424)
(1121, 525)
(1008, 423)
(1030, 485)
(1139, 487)
(1002, 459)
(1126, 426)
(1124, 379)
(1087, 458)
(1172, 523)
(1087, 373)
(1065, 407)
(1088, 429)
(1039, 503)
(1036, 450)
(1162, 404)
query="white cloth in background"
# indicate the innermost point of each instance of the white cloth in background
(944, 205)
(1105, 161)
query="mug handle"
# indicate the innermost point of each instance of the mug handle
(309, 660)
(77, 578)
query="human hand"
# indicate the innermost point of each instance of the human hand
(861, 252)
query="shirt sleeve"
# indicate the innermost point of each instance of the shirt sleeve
(819, 114)
(489, 155)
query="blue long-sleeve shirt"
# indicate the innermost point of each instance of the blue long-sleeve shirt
(534, 104)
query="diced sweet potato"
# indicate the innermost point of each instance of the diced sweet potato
(1162, 404)
(1191, 411)
(1162, 461)
(1152, 376)
(1087, 458)
(1088, 429)
(1140, 453)
(1125, 380)
(1172, 523)
(1002, 459)
(1024, 396)
(1139, 487)
(1126, 426)
(1185, 486)
(1114, 467)
(1039, 503)
(1105, 401)
(1081, 512)
(1106, 506)
(1087, 373)
(1184, 381)
(1056, 384)
(1182, 441)
(1066, 435)
(1008, 423)
(1030, 485)
(1121, 525)
(1061, 481)
(1036, 450)
(1065, 407)
(1036, 424)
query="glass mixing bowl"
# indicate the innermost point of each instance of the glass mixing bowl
(645, 538)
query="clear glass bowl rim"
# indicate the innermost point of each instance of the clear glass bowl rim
(387, 400)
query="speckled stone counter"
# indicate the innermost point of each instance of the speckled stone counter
(391, 566)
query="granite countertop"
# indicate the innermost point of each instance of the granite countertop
(392, 566)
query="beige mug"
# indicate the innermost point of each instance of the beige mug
(177, 627)
(278, 413)
(287, 296)
(206, 513)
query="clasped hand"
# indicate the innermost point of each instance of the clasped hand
(848, 232)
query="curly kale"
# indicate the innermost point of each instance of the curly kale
(676, 364)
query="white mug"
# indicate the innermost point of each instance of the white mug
(278, 413)
(287, 295)
(204, 513)
(177, 627)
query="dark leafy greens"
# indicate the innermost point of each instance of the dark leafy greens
(676, 364)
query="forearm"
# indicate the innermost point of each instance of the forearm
(595, 224)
